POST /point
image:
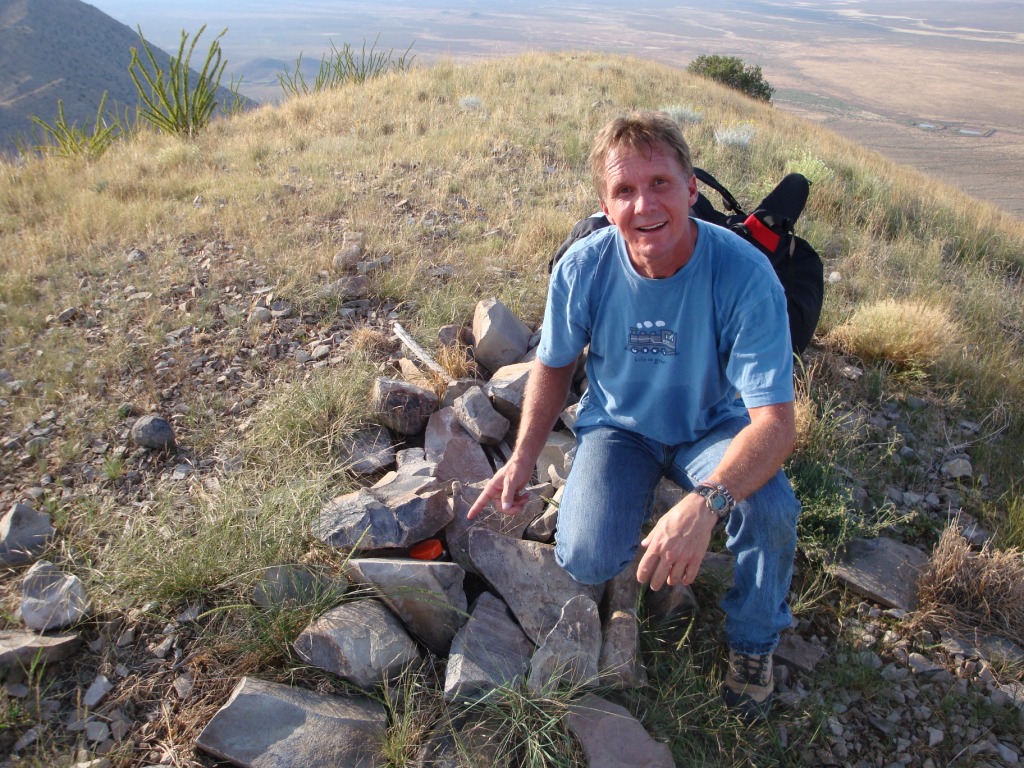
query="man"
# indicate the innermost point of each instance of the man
(690, 377)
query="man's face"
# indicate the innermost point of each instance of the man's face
(648, 195)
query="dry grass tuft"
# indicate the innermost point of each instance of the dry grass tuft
(373, 343)
(806, 413)
(456, 361)
(978, 590)
(906, 333)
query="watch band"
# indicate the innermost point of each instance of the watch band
(717, 499)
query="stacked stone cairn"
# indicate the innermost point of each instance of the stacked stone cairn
(497, 606)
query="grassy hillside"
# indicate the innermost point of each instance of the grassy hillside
(467, 178)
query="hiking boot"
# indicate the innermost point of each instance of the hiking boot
(749, 685)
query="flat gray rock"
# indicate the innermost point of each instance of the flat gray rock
(490, 651)
(526, 576)
(501, 337)
(403, 406)
(428, 597)
(24, 533)
(883, 570)
(569, 655)
(369, 450)
(796, 652)
(360, 641)
(457, 532)
(478, 417)
(19, 648)
(269, 725)
(52, 599)
(613, 738)
(396, 514)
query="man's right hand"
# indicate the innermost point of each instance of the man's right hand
(507, 485)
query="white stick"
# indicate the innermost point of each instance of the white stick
(420, 352)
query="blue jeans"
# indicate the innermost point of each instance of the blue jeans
(609, 495)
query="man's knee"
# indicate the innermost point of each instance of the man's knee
(587, 564)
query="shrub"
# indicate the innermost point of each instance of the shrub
(343, 66)
(70, 140)
(906, 333)
(169, 101)
(735, 135)
(730, 71)
(683, 114)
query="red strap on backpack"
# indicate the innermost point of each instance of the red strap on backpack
(766, 237)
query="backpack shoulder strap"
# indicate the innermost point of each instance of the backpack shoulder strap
(727, 199)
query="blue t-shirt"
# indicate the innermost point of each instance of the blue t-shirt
(669, 356)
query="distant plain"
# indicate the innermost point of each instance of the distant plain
(935, 85)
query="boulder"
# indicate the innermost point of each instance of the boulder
(24, 533)
(427, 596)
(369, 450)
(52, 599)
(569, 655)
(457, 454)
(526, 576)
(490, 651)
(283, 586)
(501, 337)
(883, 570)
(457, 532)
(270, 725)
(478, 417)
(613, 738)
(361, 641)
(153, 432)
(619, 663)
(402, 406)
(398, 513)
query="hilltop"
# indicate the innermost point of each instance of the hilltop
(131, 284)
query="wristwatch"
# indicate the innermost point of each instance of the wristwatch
(717, 498)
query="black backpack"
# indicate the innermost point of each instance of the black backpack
(770, 229)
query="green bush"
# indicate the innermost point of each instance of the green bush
(344, 66)
(71, 140)
(169, 101)
(730, 71)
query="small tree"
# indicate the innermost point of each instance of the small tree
(169, 100)
(730, 71)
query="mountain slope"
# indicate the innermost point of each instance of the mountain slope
(63, 50)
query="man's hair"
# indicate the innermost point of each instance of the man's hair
(642, 129)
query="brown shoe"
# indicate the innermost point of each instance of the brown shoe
(749, 686)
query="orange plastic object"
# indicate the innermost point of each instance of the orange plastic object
(430, 549)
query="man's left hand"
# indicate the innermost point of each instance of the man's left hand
(676, 546)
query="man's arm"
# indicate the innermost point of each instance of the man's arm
(545, 396)
(676, 545)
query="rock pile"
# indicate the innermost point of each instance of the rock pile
(496, 605)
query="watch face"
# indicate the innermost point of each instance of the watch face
(718, 501)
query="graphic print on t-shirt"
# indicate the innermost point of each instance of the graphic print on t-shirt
(652, 338)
